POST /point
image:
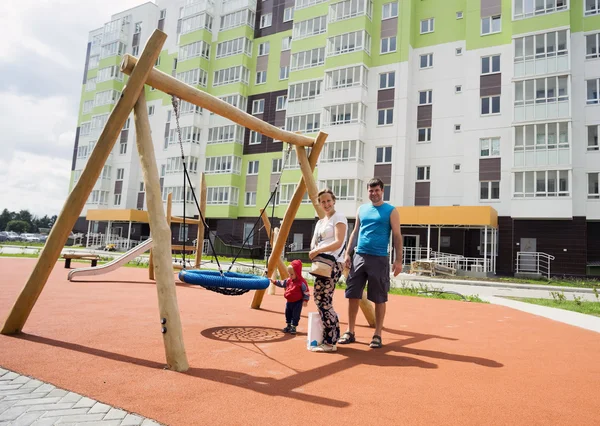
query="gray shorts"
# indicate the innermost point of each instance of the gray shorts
(375, 270)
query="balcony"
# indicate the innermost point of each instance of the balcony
(193, 7)
(233, 5)
(117, 30)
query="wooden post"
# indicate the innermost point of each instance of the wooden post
(289, 216)
(368, 309)
(168, 84)
(309, 180)
(200, 239)
(280, 265)
(76, 199)
(151, 260)
(161, 234)
(272, 288)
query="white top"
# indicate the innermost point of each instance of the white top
(325, 234)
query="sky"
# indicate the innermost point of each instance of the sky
(42, 56)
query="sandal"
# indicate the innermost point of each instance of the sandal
(346, 338)
(376, 342)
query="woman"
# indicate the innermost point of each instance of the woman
(329, 238)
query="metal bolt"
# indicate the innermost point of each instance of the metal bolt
(163, 320)
(163, 330)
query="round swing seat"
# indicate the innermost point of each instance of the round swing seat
(229, 280)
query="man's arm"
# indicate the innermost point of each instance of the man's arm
(397, 235)
(352, 241)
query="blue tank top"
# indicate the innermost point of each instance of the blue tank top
(375, 228)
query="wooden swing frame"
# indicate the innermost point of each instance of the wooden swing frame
(141, 71)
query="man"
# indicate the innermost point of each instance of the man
(370, 237)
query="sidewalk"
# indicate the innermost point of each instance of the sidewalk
(27, 401)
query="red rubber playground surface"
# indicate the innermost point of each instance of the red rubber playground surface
(443, 362)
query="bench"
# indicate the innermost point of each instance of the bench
(80, 256)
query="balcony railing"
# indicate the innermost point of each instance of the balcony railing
(534, 263)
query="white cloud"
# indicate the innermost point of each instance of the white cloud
(42, 58)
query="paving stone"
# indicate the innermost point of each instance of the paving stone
(80, 418)
(33, 383)
(48, 407)
(5, 405)
(21, 379)
(115, 413)
(38, 401)
(12, 413)
(66, 412)
(3, 371)
(20, 397)
(9, 376)
(102, 423)
(71, 397)
(45, 421)
(149, 422)
(16, 392)
(27, 418)
(57, 392)
(99, 408)
(47, 387)
(132, 420)
(85, 403)
(11, 386)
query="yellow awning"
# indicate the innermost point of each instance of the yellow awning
(118, 215)
(449, 216)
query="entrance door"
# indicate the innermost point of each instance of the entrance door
(411, 249)
(528, 261)
(298, 242)
(249, 231)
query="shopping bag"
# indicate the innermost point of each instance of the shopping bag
(315, 330)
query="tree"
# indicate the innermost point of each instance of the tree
(25, 216)
(18, 226)
(5, 217)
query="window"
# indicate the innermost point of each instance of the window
(307, 123)
(284, 73)
(345, 189)
(347, 77)
(176, 165)
(457, 127)
(385, 116)
(231, 75)
(117, 201)
(288, 14)
(490, 105)
(196, 22)
(351, 42)
(123, 148)
(237, 19)
(546, 183)
(276, 165)
(425, 97)
(224, 164)
(234, 47)
(250, 199)
(592, 7)
(459, 15)
(489, 190)
(263, 48)
(541, 46)
(542, 90)
(224, 134)
(489, 147)
(427, 26)
(388, 44)
(287, 192)
(535, 137)
(426, 61)
(281, 104)
(106, 97)
(349, 9)
(109, 73)
(592, 139)
(87, 107)
(592, 91)
(304, 91)
(261, 77)
(491, 25)
(253, 167)
(258, 106)
(255, 138)
(308, 59)
(194, 50)
(592, 46)
(343, 151)
(163, 14)
(183, 232)
(423, 173)
(189, 134)
(222, 195)
(458, 51)
(383, 155)
(193, 77)
(188, 108)
(386, 192)
(456, 168)
(490, 64)
(151, 110)
(528, 8)
(593, 191)
(177, 192)
(310, 27)
(389, 10)
(266, 20)
(424, 134)
(458, 89)
(286, 43)
(387, 80)
(345, 113)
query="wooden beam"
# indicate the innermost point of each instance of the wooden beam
(189, 221)
(151, 259)
(75, 202)
(289, 216)
(309, 180)
(283, 274)
(200, 237)
(272, 288)
(368, 309)
(168, 84)
(169, 319)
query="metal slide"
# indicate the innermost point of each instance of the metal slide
(114, 264)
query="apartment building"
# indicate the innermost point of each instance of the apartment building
(449, 102)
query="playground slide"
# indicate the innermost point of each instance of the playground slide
(114, 264)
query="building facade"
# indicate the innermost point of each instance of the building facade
(449, 102)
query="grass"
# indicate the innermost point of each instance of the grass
(581, 306)
(556, 281)
(21, 244)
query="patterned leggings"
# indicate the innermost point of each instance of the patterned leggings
(323, 294)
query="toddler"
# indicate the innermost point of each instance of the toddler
(296, 294)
